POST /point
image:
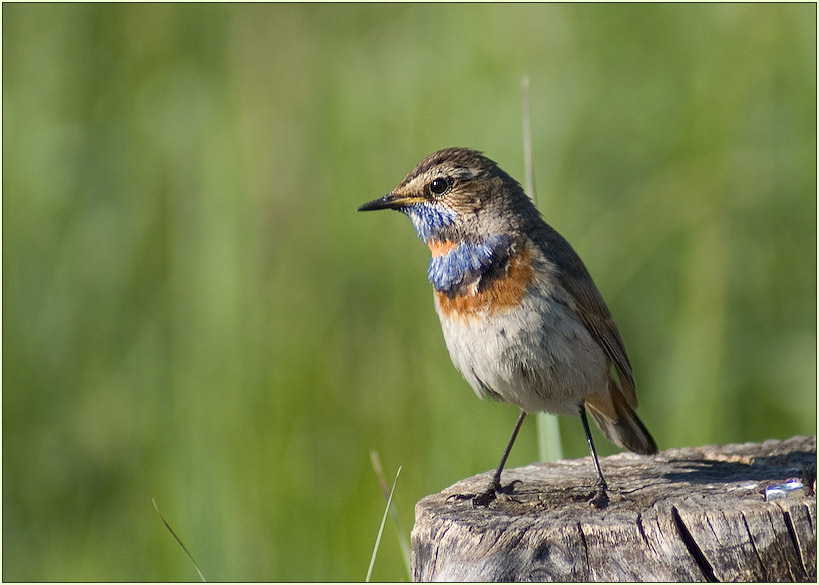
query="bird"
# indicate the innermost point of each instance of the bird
(521, 317)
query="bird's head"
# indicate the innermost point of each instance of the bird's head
(458, 194)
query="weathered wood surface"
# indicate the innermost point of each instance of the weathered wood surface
(696, 514)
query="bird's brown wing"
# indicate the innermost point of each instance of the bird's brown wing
(596, 317)
(612, 409)
(587, 303)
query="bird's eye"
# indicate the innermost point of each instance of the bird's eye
(438, 186)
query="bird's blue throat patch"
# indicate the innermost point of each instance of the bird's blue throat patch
(453, 266)
(429, 219)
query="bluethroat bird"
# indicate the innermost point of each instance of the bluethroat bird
(522, 319)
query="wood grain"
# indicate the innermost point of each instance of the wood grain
(694, 514)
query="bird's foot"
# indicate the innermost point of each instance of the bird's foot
(599, 499)
(484, 498)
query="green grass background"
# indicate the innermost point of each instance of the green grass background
(194, 312)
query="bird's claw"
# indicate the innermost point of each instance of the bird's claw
(484, 498)
(599, 499)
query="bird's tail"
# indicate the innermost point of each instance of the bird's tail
(619, 422)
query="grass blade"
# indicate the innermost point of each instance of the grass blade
(402, 538)
(527, 142)
(548, 431)
(381, 528)
(549, 446)
(179, 542)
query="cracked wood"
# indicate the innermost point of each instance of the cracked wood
(695, 514)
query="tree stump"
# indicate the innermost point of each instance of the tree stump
(696, 514)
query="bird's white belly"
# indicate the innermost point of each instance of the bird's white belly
(536, 355)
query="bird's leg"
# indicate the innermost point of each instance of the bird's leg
(495, 486)
(600, 499)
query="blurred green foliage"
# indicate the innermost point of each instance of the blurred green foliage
(193, 311)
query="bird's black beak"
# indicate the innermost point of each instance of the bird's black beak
(391, 201)
(388, 201)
